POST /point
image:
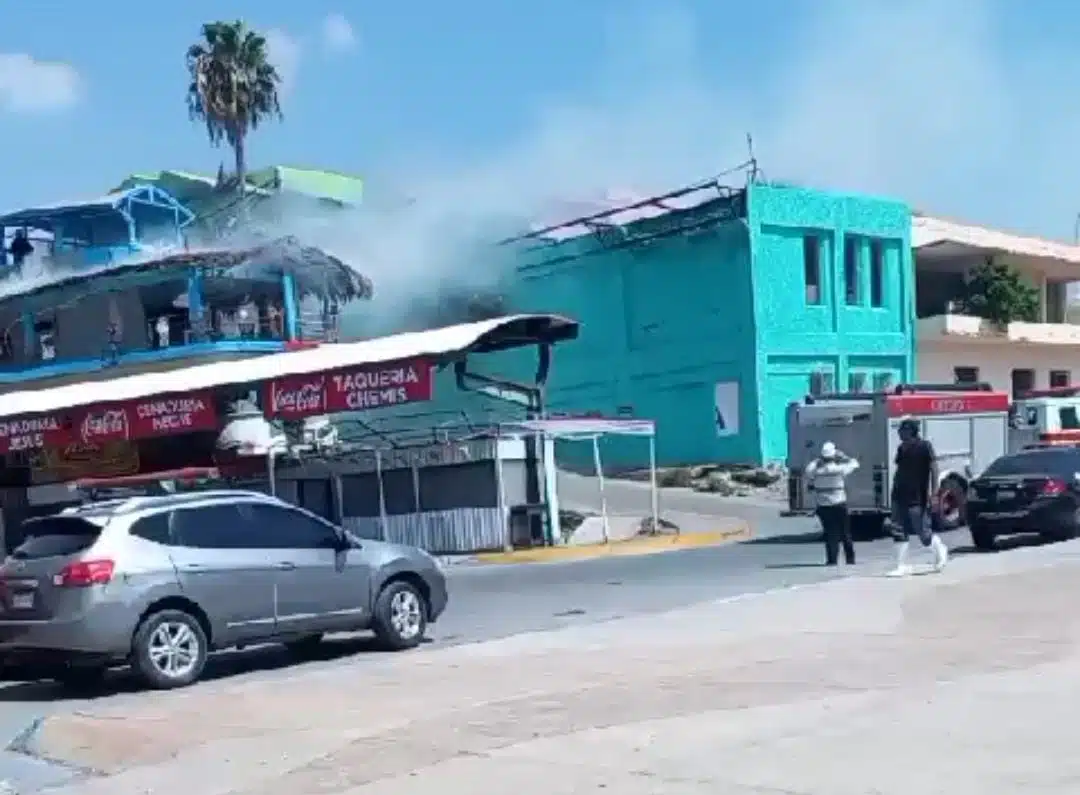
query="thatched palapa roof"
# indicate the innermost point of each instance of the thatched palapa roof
(314, 271)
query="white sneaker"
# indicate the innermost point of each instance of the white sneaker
(941, 554)
(902, 568)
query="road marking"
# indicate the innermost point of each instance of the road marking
(639, 545)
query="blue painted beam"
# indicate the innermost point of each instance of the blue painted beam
(29, 334)
(196, 306)
(292, 318)
(197, 353)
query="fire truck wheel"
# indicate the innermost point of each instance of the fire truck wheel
(953, 497)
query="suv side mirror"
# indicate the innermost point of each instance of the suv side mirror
(337, 542)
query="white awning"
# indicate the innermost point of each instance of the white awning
(928, 233)
(488, 335)
(569, 427)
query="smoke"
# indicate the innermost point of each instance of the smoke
(938, 102)
(916, 100)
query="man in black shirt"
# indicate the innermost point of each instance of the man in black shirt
(21, 248)
(913, 487)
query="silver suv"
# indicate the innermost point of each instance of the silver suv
(160, 582)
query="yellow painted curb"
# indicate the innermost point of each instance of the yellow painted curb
(642, 545)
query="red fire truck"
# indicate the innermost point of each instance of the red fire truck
(968, 426)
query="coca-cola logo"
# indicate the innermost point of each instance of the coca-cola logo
(107, 424)
(300, 399)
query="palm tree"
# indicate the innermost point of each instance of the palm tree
(233, 87)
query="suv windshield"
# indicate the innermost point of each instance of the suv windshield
(1037, 462)
(54, 536)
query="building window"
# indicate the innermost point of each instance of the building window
(966, 375)
(857, 382)
(1057, 302)
(883, 381)
(821, 383)
(1023, 380)
(877, 273)
(811, 254)
(1060, 378)
(851, 269)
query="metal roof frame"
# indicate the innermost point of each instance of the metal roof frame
(440, 345)
(686, 211)
(46, 216)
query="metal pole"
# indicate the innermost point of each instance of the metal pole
(655, 492)
(270, 471)
(339, 497)
(416, 486)
(382, 495)
(600, 479)
(551, 487)
(500, 484)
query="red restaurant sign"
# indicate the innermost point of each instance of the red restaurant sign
(34, 433)
(135, 419)
(149, 417)
(353, 389)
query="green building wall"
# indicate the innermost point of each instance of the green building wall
(668, 323)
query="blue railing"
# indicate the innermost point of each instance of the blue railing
(229, 335)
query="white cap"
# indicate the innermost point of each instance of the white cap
(828, 450)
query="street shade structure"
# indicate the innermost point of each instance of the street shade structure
(584, 430)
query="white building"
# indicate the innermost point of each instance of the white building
(954, 347)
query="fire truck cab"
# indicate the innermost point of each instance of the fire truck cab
(1046, 416)
(968, 425)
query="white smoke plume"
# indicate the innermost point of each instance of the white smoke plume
(918, 100)
(932, 101)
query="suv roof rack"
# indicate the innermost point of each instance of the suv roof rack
(122, 505)
(187, 498)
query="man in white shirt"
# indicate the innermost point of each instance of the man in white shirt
(826, 475)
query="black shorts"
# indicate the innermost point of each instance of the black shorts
(911, 520)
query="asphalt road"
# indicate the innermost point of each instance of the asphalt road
(489, 602)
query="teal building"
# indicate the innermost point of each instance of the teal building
(710, 309)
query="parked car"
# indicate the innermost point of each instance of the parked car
(161, 582)
(1031, 491)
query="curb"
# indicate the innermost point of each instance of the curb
(647, 545)
(23, 741)
(24, 769)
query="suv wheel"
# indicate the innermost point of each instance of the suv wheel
(400, 619)
(983, 539)
(169, 649)
(1066, 531)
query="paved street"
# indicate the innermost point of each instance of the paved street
(491, 602)
(955, 683)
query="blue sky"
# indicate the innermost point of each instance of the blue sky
(968, 108)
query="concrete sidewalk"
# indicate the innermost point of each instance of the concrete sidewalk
(964, 682)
